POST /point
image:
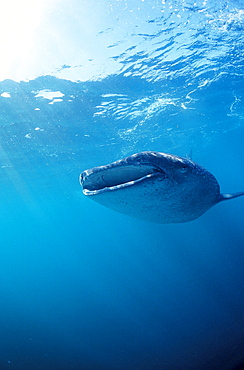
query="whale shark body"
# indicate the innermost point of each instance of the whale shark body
(156, 187)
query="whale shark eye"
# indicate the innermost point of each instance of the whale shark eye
(183, 169)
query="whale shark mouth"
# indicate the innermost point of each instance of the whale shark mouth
(116, 176)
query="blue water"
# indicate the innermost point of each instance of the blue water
(83, 287)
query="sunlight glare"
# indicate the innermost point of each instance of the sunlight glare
(18, 20)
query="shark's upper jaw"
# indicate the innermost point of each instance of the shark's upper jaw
(116, 176)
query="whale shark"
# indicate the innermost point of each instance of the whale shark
(153, 186)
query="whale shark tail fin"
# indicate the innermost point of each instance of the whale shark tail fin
(230, 196)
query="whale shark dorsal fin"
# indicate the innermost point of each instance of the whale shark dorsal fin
(230, 196)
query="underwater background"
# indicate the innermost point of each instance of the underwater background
(85, 83)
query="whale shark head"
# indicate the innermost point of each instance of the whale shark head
(153, 186)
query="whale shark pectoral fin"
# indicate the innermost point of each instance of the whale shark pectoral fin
(230, 196)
